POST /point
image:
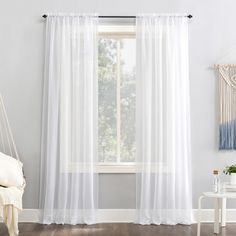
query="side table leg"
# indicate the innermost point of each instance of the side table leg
(223, 212)
(199, 215)
(216, 223)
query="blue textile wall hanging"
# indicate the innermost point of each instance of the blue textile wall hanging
(227, 102)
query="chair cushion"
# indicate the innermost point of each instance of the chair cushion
(11, 173)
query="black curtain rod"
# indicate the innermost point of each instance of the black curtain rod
(132, 17)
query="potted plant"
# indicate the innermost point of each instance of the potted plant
(231, 170)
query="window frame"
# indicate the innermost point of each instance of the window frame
(116, 31)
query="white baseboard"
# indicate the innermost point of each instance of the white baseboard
(116, 215)
(125, 215)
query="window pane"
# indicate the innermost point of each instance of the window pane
(127, 100)
(116, 99)
(107, 60)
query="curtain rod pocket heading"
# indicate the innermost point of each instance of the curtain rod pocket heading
(189, 16)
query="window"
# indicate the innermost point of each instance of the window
(116, 101)
(116, 98)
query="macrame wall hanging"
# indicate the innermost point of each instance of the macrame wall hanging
(227, 102)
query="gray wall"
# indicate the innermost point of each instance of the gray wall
(212, 39)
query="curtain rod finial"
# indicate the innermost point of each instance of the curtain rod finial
(190, 16)
(44, 16)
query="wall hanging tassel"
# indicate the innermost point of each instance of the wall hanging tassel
(227, 102)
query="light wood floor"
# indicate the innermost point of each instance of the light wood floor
(121, 229)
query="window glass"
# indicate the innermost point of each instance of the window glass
(116, 101)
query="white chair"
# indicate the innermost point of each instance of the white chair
(10, 197)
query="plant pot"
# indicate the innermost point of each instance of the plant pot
(233, 178)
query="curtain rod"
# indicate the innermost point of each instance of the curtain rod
(132, 17)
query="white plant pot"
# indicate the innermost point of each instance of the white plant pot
(233, 178)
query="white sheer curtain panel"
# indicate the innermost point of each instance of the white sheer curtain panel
(68, 188)
(163, 121)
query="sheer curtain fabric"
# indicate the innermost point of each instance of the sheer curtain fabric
(163, 121)
(68, 188)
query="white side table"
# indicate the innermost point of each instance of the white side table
(220, 203)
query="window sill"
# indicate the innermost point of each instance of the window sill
(117, 168)
(107, 168)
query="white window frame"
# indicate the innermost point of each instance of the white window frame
(117, 31)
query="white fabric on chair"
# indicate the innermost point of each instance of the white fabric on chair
(163, 121)
(11, 175)
(68, 189)
(10, 206)
(10, 216)
(10, 171)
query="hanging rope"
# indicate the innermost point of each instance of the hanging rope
(227, 102)
(7, 141)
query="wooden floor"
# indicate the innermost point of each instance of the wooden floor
(121, 229)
